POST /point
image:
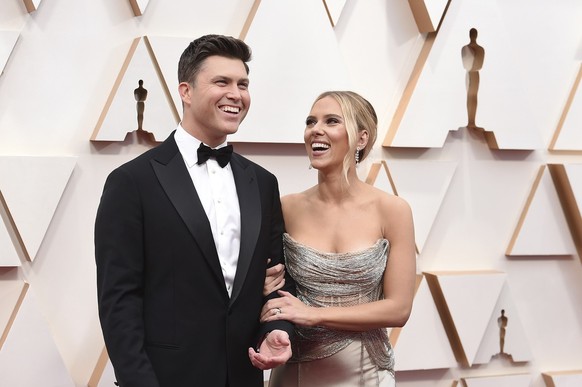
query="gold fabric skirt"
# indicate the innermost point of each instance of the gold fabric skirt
(350, 367)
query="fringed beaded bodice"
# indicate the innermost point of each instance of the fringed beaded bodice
(338, 279)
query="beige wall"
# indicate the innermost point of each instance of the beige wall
(468, 199)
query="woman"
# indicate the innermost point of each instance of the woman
(350, 248)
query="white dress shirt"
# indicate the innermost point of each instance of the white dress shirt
(217, 192)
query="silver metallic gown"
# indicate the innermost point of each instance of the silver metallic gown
(327, 357)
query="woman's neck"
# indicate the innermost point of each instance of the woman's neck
(333, 187)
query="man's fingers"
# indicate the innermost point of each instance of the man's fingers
(257, 360)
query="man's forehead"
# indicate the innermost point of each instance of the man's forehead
(220, 65)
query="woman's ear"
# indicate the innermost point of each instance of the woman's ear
(362, 139)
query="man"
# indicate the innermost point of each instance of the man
(182, 242)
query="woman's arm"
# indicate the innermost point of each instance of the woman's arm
(275, 278)
(399, 284)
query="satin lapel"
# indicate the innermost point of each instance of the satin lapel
(176, 182)
(250, 217)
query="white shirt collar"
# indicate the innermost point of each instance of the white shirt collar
(188, 145)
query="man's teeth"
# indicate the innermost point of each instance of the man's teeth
(319, 146)
(230, 109)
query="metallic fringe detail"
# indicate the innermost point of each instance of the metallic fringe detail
(338, 279)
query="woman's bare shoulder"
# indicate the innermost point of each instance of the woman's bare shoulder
(295, 207)
(296, 198)
(389, 204)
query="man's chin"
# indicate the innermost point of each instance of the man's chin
(230, 130)
(230, 127)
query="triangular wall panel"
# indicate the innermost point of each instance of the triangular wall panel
(8, 253)
(334, 9)
(379, 177)
(8, 40)
(108, 376)
(504, 329)
(378, 74)
(574, 172)
(542, 228)
(466, 301)
(11, 295)
(29, 356)
(167, 51)
(423, 186)
(567, 179)
(31, 188)
(520, 380)
(31, 5)
(103, 373)
(120, 117)
(563, 378)
(573, 209)
(567, 136)
(138, 6)
(428, 13)
(424, 329)
(440, 76)
(297, 35)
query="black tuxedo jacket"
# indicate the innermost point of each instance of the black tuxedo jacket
(166, 316)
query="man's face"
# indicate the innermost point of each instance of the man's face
(217, 101)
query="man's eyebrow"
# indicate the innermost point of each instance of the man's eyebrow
(230, 79)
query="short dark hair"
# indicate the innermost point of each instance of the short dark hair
(208, 45)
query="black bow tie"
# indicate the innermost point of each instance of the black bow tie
(222, 155)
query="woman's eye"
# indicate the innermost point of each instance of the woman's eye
(333, 121)
(310, 122)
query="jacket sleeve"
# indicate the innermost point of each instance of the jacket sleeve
(277, 256)
(120, 268)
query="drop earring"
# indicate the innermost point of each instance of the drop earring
(357, 156)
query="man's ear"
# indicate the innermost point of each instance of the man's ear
(184, 88)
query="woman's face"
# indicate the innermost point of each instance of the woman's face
(326, 137)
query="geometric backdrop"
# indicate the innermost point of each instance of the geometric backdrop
(496, 210)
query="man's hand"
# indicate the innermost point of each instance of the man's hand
(274, 351)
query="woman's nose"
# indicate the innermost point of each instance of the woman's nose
(317, 128)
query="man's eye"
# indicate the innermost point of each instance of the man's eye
(243, 86)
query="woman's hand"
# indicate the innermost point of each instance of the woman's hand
(289, 308)
(275, 278)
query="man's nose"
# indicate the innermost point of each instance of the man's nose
(234, 93)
